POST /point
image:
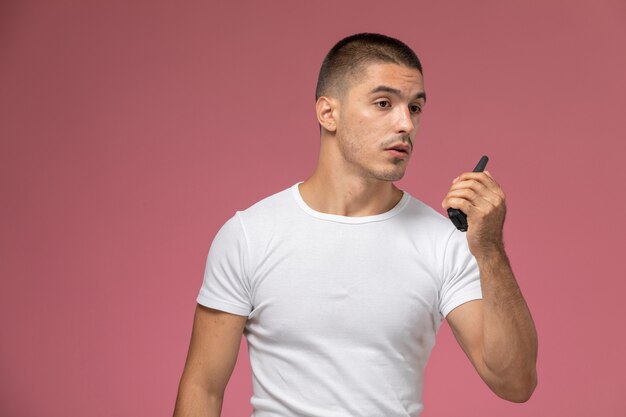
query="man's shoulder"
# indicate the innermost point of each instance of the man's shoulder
(274, 206)
(422, 213)
(272, 202)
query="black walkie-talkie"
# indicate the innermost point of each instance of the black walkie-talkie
(459, 219)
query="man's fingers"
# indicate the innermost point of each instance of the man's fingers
(469, 199)
(483, 178)
(473, 189)
(465, 205)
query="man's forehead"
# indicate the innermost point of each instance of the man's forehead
(391, 78)
(376, 73)
(420, 94)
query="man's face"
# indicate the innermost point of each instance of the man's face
(378, 119)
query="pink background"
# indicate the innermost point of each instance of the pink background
(132, 130)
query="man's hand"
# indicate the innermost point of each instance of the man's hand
(480, 197)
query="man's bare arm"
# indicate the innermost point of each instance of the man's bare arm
(213, 350)
(497, 333)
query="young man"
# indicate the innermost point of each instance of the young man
(341, 282)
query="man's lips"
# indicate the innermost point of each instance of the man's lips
(400, 147)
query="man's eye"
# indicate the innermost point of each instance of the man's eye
(415, 108)
(383, 104)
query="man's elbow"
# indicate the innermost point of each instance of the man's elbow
(520, 390)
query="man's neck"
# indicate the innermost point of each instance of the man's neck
(354, 197)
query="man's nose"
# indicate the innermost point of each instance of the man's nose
(405, 123)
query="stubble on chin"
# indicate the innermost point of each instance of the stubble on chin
(390, 176)
(396, 173)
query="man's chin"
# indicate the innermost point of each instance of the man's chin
(391, 176)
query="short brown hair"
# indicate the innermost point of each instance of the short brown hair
(350, 54)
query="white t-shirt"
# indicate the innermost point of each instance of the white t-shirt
(342, 311)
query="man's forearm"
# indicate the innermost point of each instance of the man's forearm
(510, 338)
(195, 401)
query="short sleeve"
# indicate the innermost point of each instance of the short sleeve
(461, 275)
(226, 286)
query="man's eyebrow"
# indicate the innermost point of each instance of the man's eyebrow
(387, 89)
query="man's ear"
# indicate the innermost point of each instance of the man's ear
(326, 109)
